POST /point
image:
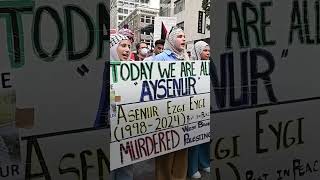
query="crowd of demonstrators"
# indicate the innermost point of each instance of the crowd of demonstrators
(179, 164)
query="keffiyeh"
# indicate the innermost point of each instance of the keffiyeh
(126, 32)
(114, 42)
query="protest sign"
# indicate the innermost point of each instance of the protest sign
(10, 157)
(157, 108)
(53, 57)
(265, 90)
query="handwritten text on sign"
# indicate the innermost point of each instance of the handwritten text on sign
(157, 108)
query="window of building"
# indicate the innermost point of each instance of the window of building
(121, 17)
(148, 19)
(137, 1)
(148, 33)
(125, 11)
(120, 10)
(181, 25)
(144, 1)
(120, 3)
(165, 10)
(152, 20)
(178, 6)
(142, 19)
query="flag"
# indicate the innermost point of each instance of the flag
(163, 31)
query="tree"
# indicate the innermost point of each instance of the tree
(206, 9)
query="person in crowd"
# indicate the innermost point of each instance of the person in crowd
(173, 166)
(127, 32)
(199, 155)
(142, 52)
(120, 48)
(200, 51)
(119, 51)
(174, 47)
(159, 45)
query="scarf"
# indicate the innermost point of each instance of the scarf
(170, 44)
(114, 43)
(197, 49)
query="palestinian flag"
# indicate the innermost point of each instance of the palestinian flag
(164, 31)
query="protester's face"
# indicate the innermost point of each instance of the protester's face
(124, 50)
(158, 49)
(180, 41)
(205, 54)
(142, 45)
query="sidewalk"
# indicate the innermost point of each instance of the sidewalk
(145, 171)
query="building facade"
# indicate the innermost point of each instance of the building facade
(190, 17)
(120, 9)
(141, 17)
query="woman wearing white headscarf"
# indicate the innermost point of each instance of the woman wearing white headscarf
(199, 156)
(119, 47)
(174, 47)
(119, 51)
(201, 51)
(173, 166)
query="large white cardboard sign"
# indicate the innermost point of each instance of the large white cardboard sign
(265, 90)
(157, 108)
